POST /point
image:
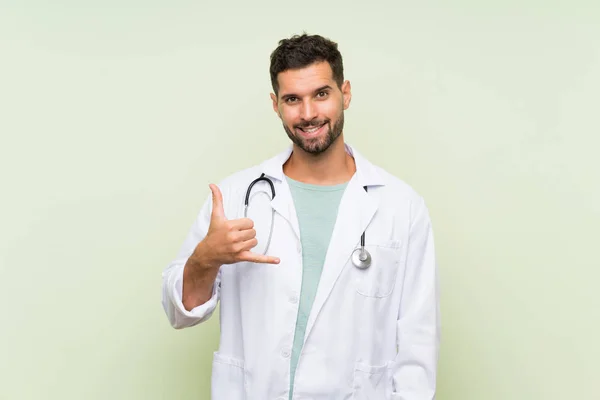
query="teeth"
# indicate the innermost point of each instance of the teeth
(311, 130)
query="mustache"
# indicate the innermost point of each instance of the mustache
(312, 124)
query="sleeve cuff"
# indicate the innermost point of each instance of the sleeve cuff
(182, 318)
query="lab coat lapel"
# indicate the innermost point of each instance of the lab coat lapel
(284, 205)
(355, 212)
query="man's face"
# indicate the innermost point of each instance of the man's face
(311, 106)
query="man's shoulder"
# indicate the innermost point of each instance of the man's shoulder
(397, 194)
(395, 186)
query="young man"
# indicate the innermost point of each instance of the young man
(345, 303)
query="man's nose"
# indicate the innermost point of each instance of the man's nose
(309, 111)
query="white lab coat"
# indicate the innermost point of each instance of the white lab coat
(371, 334)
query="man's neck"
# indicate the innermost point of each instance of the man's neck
(332, 167)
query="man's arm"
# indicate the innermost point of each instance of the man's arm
(173, 299)
(192, 283)
(418, 327)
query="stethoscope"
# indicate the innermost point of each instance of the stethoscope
(361, 258)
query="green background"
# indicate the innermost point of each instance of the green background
(116, 115)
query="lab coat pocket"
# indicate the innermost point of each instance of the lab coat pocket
(228, 378)
(371, 382)
(380, 278)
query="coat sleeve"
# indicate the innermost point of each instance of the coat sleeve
(418, 326)
(172, 278)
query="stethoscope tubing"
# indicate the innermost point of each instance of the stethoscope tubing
(361, 258)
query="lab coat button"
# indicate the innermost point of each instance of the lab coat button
(293, 299)
(285, 353)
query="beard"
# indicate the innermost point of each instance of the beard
(319, 144)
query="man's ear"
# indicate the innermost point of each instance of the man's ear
(275, 105)
(346, 94)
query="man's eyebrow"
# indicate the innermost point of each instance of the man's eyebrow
(287, 96)
(322, 88)
(326, 87)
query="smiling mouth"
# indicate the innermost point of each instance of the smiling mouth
(311, 131)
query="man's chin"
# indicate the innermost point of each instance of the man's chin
(315, 146)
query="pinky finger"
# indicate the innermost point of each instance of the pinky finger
(259, 259)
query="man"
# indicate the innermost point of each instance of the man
(313, 318)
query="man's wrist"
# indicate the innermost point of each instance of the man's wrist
(201, 259)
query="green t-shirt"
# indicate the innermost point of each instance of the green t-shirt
(317, 209)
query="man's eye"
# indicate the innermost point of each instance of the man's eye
(321, 94)
(291, 99)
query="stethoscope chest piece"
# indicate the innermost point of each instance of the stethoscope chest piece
(361, 258)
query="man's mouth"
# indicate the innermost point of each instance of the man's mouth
(311, 130)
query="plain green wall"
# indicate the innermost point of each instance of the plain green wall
(116, 115)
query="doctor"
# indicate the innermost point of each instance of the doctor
(305, 320)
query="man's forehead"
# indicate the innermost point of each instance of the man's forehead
(306, 79)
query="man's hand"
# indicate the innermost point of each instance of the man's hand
(230, 241)
(226, 242)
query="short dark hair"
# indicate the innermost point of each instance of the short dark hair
(303, 50)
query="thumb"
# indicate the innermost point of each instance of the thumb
(217, 202)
